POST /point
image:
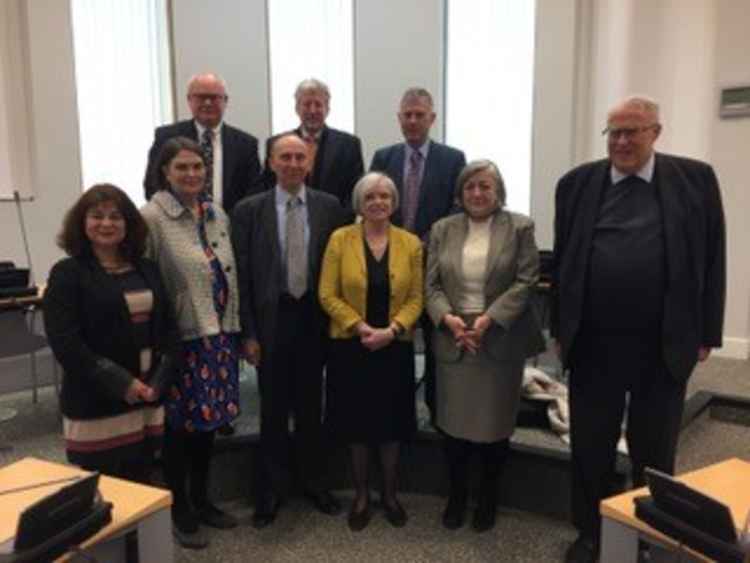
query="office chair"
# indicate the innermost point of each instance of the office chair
(19, 339)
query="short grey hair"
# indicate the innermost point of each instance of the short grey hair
(644, 104)
(417, 94)
(366, 183)
(213, 75)
(474, 168)
(312, 85)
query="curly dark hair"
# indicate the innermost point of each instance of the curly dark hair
(168, 151)
(72, 238)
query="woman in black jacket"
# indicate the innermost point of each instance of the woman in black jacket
(109, 325)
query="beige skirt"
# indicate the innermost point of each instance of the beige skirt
(478, 397)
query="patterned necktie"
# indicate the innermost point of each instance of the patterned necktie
(412, 190)
(296, 253)
(207, 146)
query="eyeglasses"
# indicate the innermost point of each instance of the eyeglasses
(213, 98)
(629, 133)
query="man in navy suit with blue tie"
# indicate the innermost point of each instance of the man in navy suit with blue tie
(425, 174)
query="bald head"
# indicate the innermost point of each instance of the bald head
(207, 98)
(290, 160)
(632, 129)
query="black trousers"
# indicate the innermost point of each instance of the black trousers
(291, 384)
(605, 383)
(187, 459)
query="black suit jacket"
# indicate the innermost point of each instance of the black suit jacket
(89, 329)
(436, 196)
(695, 255)
(240, 164)
(338, 164)
(259, 262)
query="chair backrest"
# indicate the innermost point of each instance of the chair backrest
(17, 336)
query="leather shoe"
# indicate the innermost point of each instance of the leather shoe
(583, 550)
(358, 521)
(484, 516)
(455, 512)
(266, 509)
(212, 516)
(324, 501)
(395, 514)
(190, 540)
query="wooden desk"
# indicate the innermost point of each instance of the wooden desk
(136, 507)
(728, 482)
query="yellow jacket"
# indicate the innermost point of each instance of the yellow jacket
(343, 279)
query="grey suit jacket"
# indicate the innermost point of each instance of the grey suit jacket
(512, 273)
(259, 269)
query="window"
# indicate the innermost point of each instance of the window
(123, 86)
(311, 40)
(489, 87)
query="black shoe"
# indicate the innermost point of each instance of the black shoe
(583, 550)
(266, 509)
(484, 516)
(455, 512)
(324, 501)
(212, 516)
(226, 430)
(186, 529)
(358, 521)
(395, 514)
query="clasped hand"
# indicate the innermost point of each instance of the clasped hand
(139, 392)
(467, 338)
(374, 338)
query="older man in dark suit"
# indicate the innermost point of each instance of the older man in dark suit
(337, 161)
(279, 237)
(233, 167)
(425, 174)
(639, 280)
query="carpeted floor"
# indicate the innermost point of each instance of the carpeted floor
(301, 534)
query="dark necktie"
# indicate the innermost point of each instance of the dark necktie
(413, 175)
(207, 146)
(296, 253)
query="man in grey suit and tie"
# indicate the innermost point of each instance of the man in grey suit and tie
(279, 237)
(425, 174)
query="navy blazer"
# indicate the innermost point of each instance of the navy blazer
(338, 164)
(694, 241)
(240, 173)
(436, 195)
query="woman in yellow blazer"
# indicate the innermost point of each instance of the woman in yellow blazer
(371, 287)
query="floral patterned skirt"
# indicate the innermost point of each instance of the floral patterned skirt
(206, 394)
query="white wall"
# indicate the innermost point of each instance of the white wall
(729, 151)
(228, 37)
(54, 136)
(398, 44)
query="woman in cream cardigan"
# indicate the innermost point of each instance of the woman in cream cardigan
(482, 266)
(371, 287)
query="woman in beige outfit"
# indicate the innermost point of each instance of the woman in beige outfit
(482, 266)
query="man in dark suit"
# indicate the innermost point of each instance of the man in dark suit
(337, 161)
(231, 154)
(638, 299)
(425, 174)
(280, 236)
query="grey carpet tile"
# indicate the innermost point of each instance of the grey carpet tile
(301, 534)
